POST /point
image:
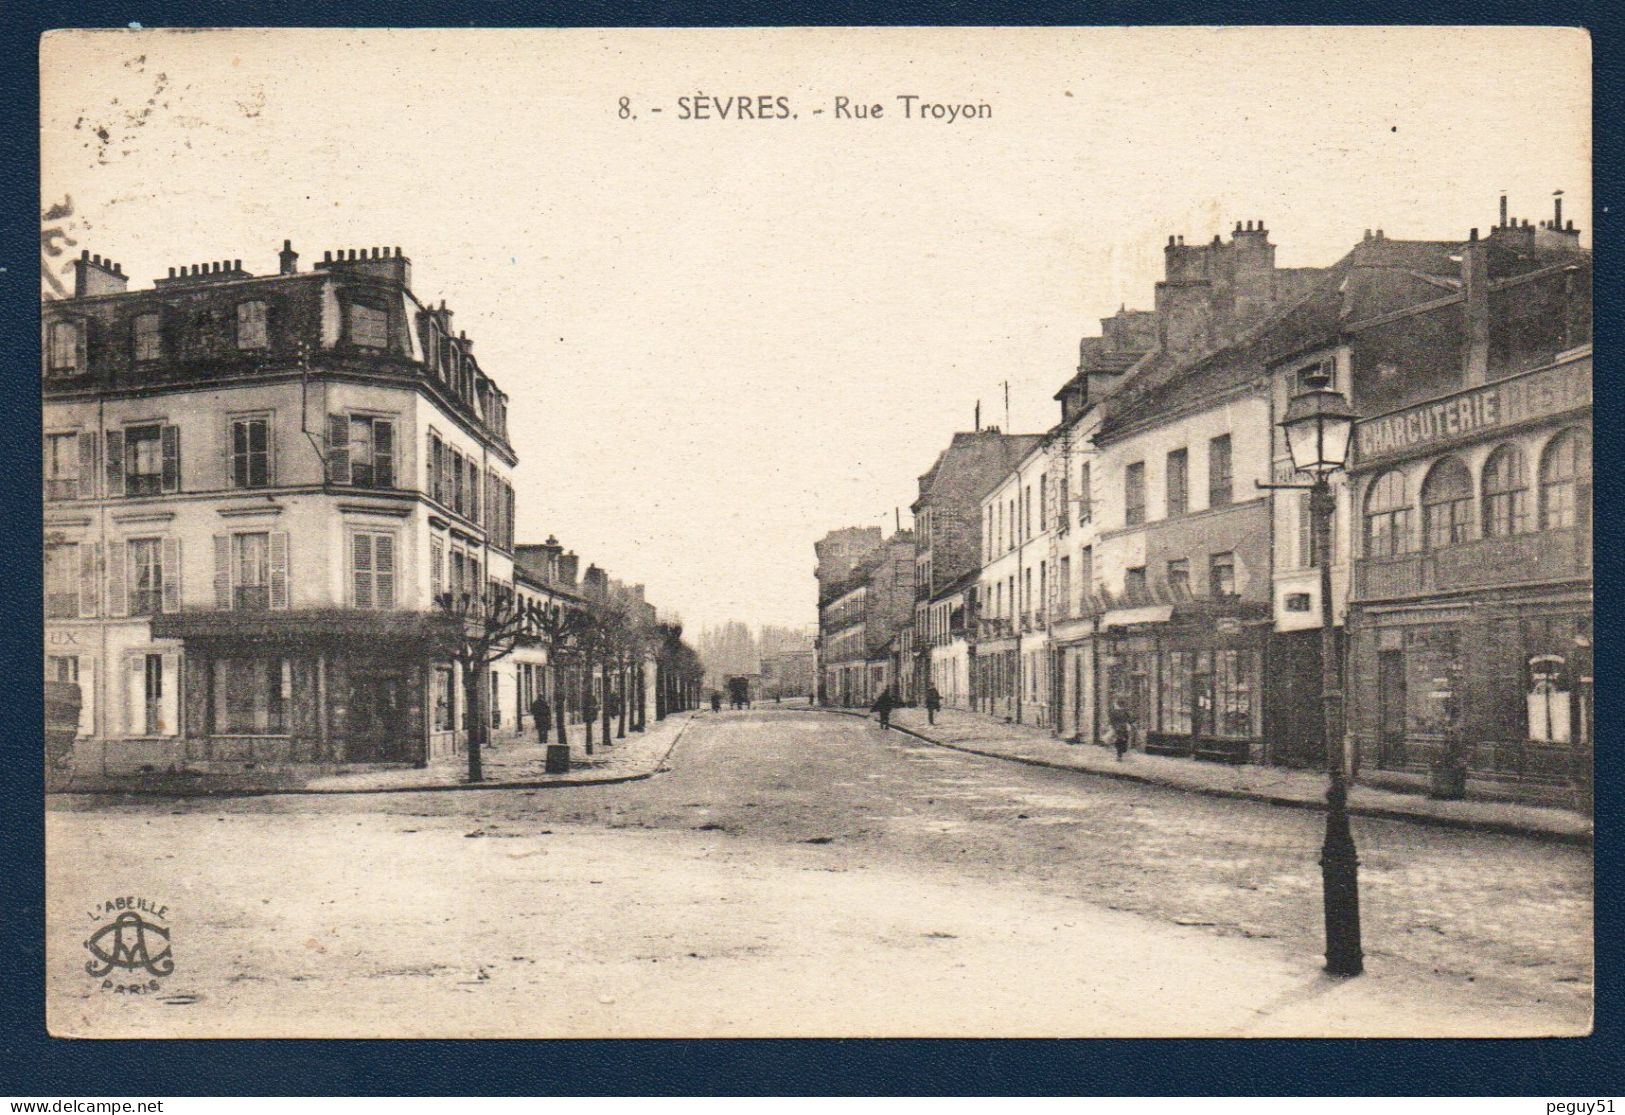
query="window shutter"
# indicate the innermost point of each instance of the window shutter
(361, 569)
(338, 449)
(81, 349)
(169, 705)
(279, 570)
(118, 598)
(89, 552)
(87, 465)
(171, 436)
(384, 570)
(172, 575)
(222, 571)
(135, 695)
(115, 462)
(383, 453)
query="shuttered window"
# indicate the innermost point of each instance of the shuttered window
(251, 571)
(250, 451)
(372, 569)
(361, 450)
(147, 460)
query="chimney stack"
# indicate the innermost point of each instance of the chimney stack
(1503, 210)
(93, 275)
(288, 258)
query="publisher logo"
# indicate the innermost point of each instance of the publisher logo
(130, 941)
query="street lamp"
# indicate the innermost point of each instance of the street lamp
(1318, 423)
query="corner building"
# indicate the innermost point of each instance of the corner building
(256, 487)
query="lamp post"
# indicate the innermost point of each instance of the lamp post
(1318, 423)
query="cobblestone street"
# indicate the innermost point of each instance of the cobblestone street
(798, 872)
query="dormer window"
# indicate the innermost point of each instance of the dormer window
(147, 334)
(1309, 376)
(251, 331)
(368, 326)
(64, 344)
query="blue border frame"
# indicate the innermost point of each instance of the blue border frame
(39, 1066)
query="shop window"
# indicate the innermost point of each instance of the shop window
(250, 696)
(1178, 692)
(1447, 504)
(1565, 479)
(151, 692)
(1506, 493)
(1387, 516)
(1432, 681)
(1237, 711)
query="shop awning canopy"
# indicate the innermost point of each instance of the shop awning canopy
(410, 632)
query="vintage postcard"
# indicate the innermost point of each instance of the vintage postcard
(817, 532)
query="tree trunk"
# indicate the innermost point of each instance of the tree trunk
(605, 673)
(474, 705)
(623, 701)
(586, 704)
(558, 701)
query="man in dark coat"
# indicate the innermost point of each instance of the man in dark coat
(883, 705)
(1122, 725)
(542, 713)
(933, 702)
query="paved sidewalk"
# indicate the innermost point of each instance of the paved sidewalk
(983, 735)
(511, 763)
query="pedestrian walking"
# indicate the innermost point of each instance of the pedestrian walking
(542, 713)
(933, 702)
(883, 705)
(716, 701)
(1122, 726)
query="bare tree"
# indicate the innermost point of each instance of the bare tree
(479, 629)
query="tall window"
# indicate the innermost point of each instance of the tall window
(251, 331)
(369, 327)
(1043, 505)
(61, 466)
(1134, 494)
(1387, 516)
(151, 459)
(1179, 578)
(1027, 512)
(1063, 587)
(1085, 508)
(361, 450)
(1307, 557)
(1447, 504)
(61, 580)
(1221, 574)
(1134, 584)
(64, 342)
(251, 451)
(250, 696)
(1506, 493)
(1178, 482)
(372, 569)
(147, 334)
(251, 571)
(146, 572)
(1565, 479)
(1218, 471)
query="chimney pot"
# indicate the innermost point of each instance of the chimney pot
(287, 245)
(171, 272)
(236, 265)
(1570, 225)
(1503, 210)
(1473, 235)
(84, 253)
(1170, 241)
(397, 251)
(327, 257)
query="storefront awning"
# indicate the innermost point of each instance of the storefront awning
(354, 627)
(1128, 617)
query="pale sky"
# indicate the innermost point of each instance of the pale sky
(722, 338)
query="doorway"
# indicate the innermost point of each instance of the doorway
(378, 727)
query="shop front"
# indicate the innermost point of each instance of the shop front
(1189, 677)
(344, 689)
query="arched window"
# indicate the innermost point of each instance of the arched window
(1447, 504)
(1387, 516)
(1506, 493)
(1565, 479)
